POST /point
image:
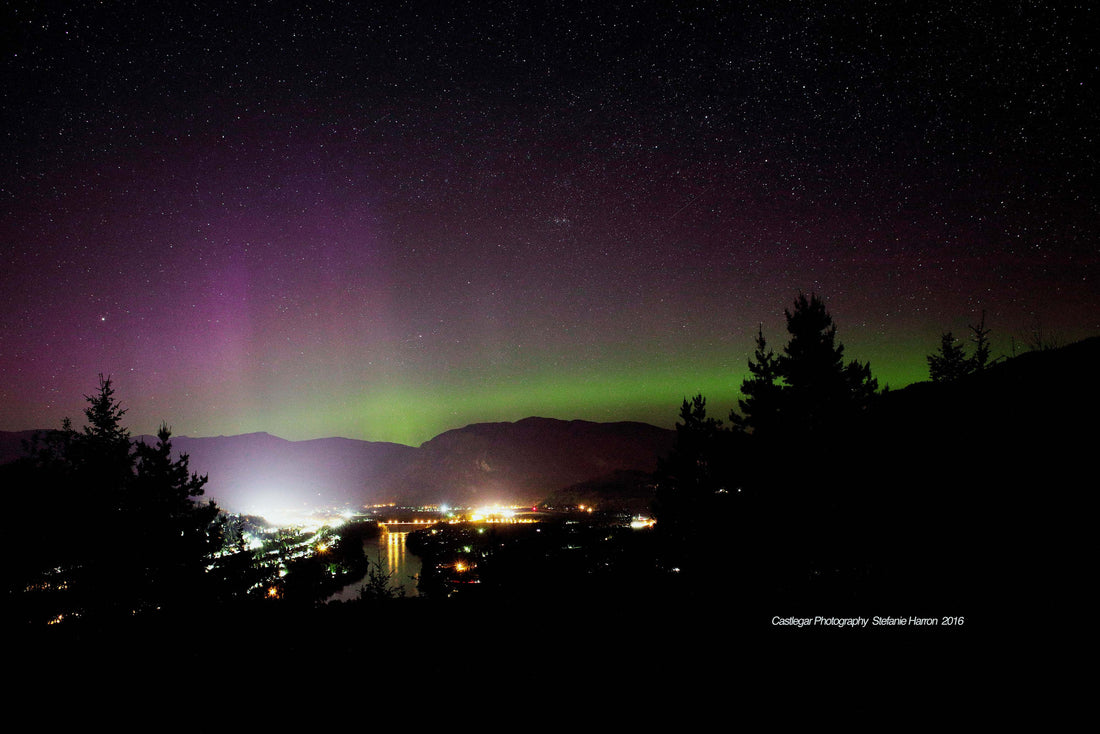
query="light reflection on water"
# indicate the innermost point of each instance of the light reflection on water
(389, 551)
(404, 566)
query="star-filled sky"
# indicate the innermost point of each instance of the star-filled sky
(385, 220)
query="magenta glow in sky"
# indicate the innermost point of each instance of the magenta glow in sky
(385, 222)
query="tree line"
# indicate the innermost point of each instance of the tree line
(822, 485)
(108, 528)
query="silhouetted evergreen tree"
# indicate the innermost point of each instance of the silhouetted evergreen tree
(762, 392)
(950, 363)
(695, 457)
(980, 359)
(821, 389)
(765, 508)
(376, 584)
(694, 489)
(808, 388)
(124, 533)
(96, 467)
(178, 536)
(237, 573)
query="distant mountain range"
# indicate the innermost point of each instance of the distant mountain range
(527, 460)
(1020, 422)
(484, 463)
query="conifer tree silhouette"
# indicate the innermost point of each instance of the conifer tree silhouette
(128, 533)
(950, 363)
(762, 391)
(808, 387)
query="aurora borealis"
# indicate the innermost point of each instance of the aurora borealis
(381, 221)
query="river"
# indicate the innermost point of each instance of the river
(388, 550)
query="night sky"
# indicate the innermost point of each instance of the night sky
(384, 220)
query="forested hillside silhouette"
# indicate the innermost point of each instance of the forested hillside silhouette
(825, 492)
(822, 494)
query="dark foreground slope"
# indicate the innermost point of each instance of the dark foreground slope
(977, 486)
(941, 500)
